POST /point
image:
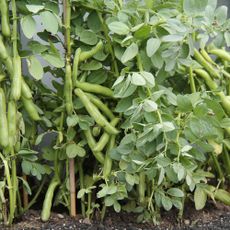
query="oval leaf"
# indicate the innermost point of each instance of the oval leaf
(28, 25)
(130, 53)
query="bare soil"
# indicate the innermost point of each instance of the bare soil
(213, 217)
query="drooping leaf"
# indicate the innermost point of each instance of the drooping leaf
(130, 53)
(28, 25)
(49, 21)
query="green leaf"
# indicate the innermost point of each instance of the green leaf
(200, 198)
(161, 176)
(73, 150)
(72, 120)
(39, 138)
(119, 28)
(97, 77)
(130, 53)
(81, 193)
(26, 167)
(94, 22)
(194, 6)
(26, 185)
(221, 14)
(117, 206)
(184, 103)
(54, 59)
(175, 192)
(149, 78)
(168, 126)
(28, 25)
(123, 104)
(49, 21)
(130, 179)
(109, 201)
(35, 8)
(137, 79)
(153, 44)
(37, 47)
(172, 38)
(35, 68)
(227, 38)
(166, 202)
(92, 65)
(150, 106)
(143, 32)
(88, 37)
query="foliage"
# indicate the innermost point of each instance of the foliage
(138, 106)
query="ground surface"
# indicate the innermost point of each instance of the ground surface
(213, 217)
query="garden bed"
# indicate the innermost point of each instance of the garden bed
(216, 217)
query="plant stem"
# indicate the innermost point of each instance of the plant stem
(89, 205)
(10, 188)
(25, 194)
(217, 166)
(72, 187)
(191, 80)
(106, 34)
(141, 187)
(226, 160)
(81, 176)
(15, 28)
(67, 18)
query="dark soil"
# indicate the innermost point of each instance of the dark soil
(213, 217)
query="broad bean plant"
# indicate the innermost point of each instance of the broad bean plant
(136, 112)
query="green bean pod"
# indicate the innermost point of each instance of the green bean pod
(17, 79)
(95, 113)
(219, 194)
(223, 54)
(88, 54)
(4, 135)
(212, 71)
(68, 90)
(94, 88)
(5, 18)
(108, 161)
(225, 101)
(76, 64)
(105, 137)
(12, 123)
(91, 142)
(101, 106)
(206, 56)
(31, 109)
(96, 131)
(2, 77)
(3, 51)
(47, 204)
(26, 92)
(208, 80)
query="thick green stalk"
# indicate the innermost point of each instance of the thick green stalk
(110, 47)
(15, 28)
(68, 98)
(10, 188)
(217, 167)
(141, 187)
(191, 80)
(81, 177)
(226, 160)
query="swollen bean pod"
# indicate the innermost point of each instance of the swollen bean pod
(95, 113)
(4, 136)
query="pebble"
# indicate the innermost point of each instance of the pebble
(60, 216)
(186, 222)
(86, 221)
